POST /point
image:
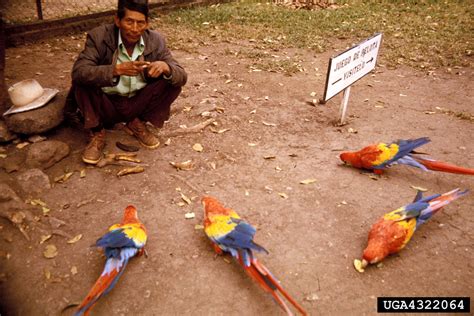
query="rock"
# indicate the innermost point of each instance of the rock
(7, 193)
(33, 182)
(13, 162)
(5, 135)
(45, 154)
(39, 120)
(312, 297)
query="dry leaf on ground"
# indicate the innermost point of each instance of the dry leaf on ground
(22, 145)
(185, 165)
(35, 202)
(418, 188)
(64, 177)
(283, 195)
(74, 239)
(358, 265)
(220, 131)
(186, 199)
(126, 171)
(308, 181)
(50, 251)
(44, 238)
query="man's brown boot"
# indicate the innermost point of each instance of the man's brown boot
(93, 152)
(138, 129)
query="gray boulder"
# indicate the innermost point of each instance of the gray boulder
(39, 120)
(45, 154)
(33, 182)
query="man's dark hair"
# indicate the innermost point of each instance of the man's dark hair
(133, 5)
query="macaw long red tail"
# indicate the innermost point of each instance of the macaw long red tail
(438, 203)
(259, 273)
(443, 166)
(109, 277)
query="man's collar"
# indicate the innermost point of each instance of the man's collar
(120, 43)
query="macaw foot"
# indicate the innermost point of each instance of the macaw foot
(142, 252)
(217, 249)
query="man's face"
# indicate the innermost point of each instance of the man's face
(131, 26)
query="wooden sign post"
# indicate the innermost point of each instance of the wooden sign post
(348, 67)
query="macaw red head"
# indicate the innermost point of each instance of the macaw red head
(212, 206)
(375, 252)
(351, 158)
(130, 215)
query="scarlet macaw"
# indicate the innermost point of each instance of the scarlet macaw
(378, 157)
(229, 233)
(394, 230)
(122, 242)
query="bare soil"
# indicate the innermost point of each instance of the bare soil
(313, 234)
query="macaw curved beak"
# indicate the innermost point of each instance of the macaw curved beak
(365, 263)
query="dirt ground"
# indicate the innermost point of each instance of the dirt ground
(313, 231)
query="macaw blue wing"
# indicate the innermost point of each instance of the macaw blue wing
(240, 237)
(429, 198)
(404, 148)
(418, 196)
(240, 241)
(420, 209)
(412, 210)
(115, 239)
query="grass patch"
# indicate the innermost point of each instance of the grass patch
(286, 67)
(247, 53)
(422, 34)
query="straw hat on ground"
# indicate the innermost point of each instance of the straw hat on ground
(28, 95)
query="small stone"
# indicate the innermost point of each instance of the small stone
(312, 297)
(45, 154)
(189, 215)
(198, 147)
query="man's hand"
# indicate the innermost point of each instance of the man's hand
(156, 68)
(130, 68)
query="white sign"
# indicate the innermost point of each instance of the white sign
(351, 65)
